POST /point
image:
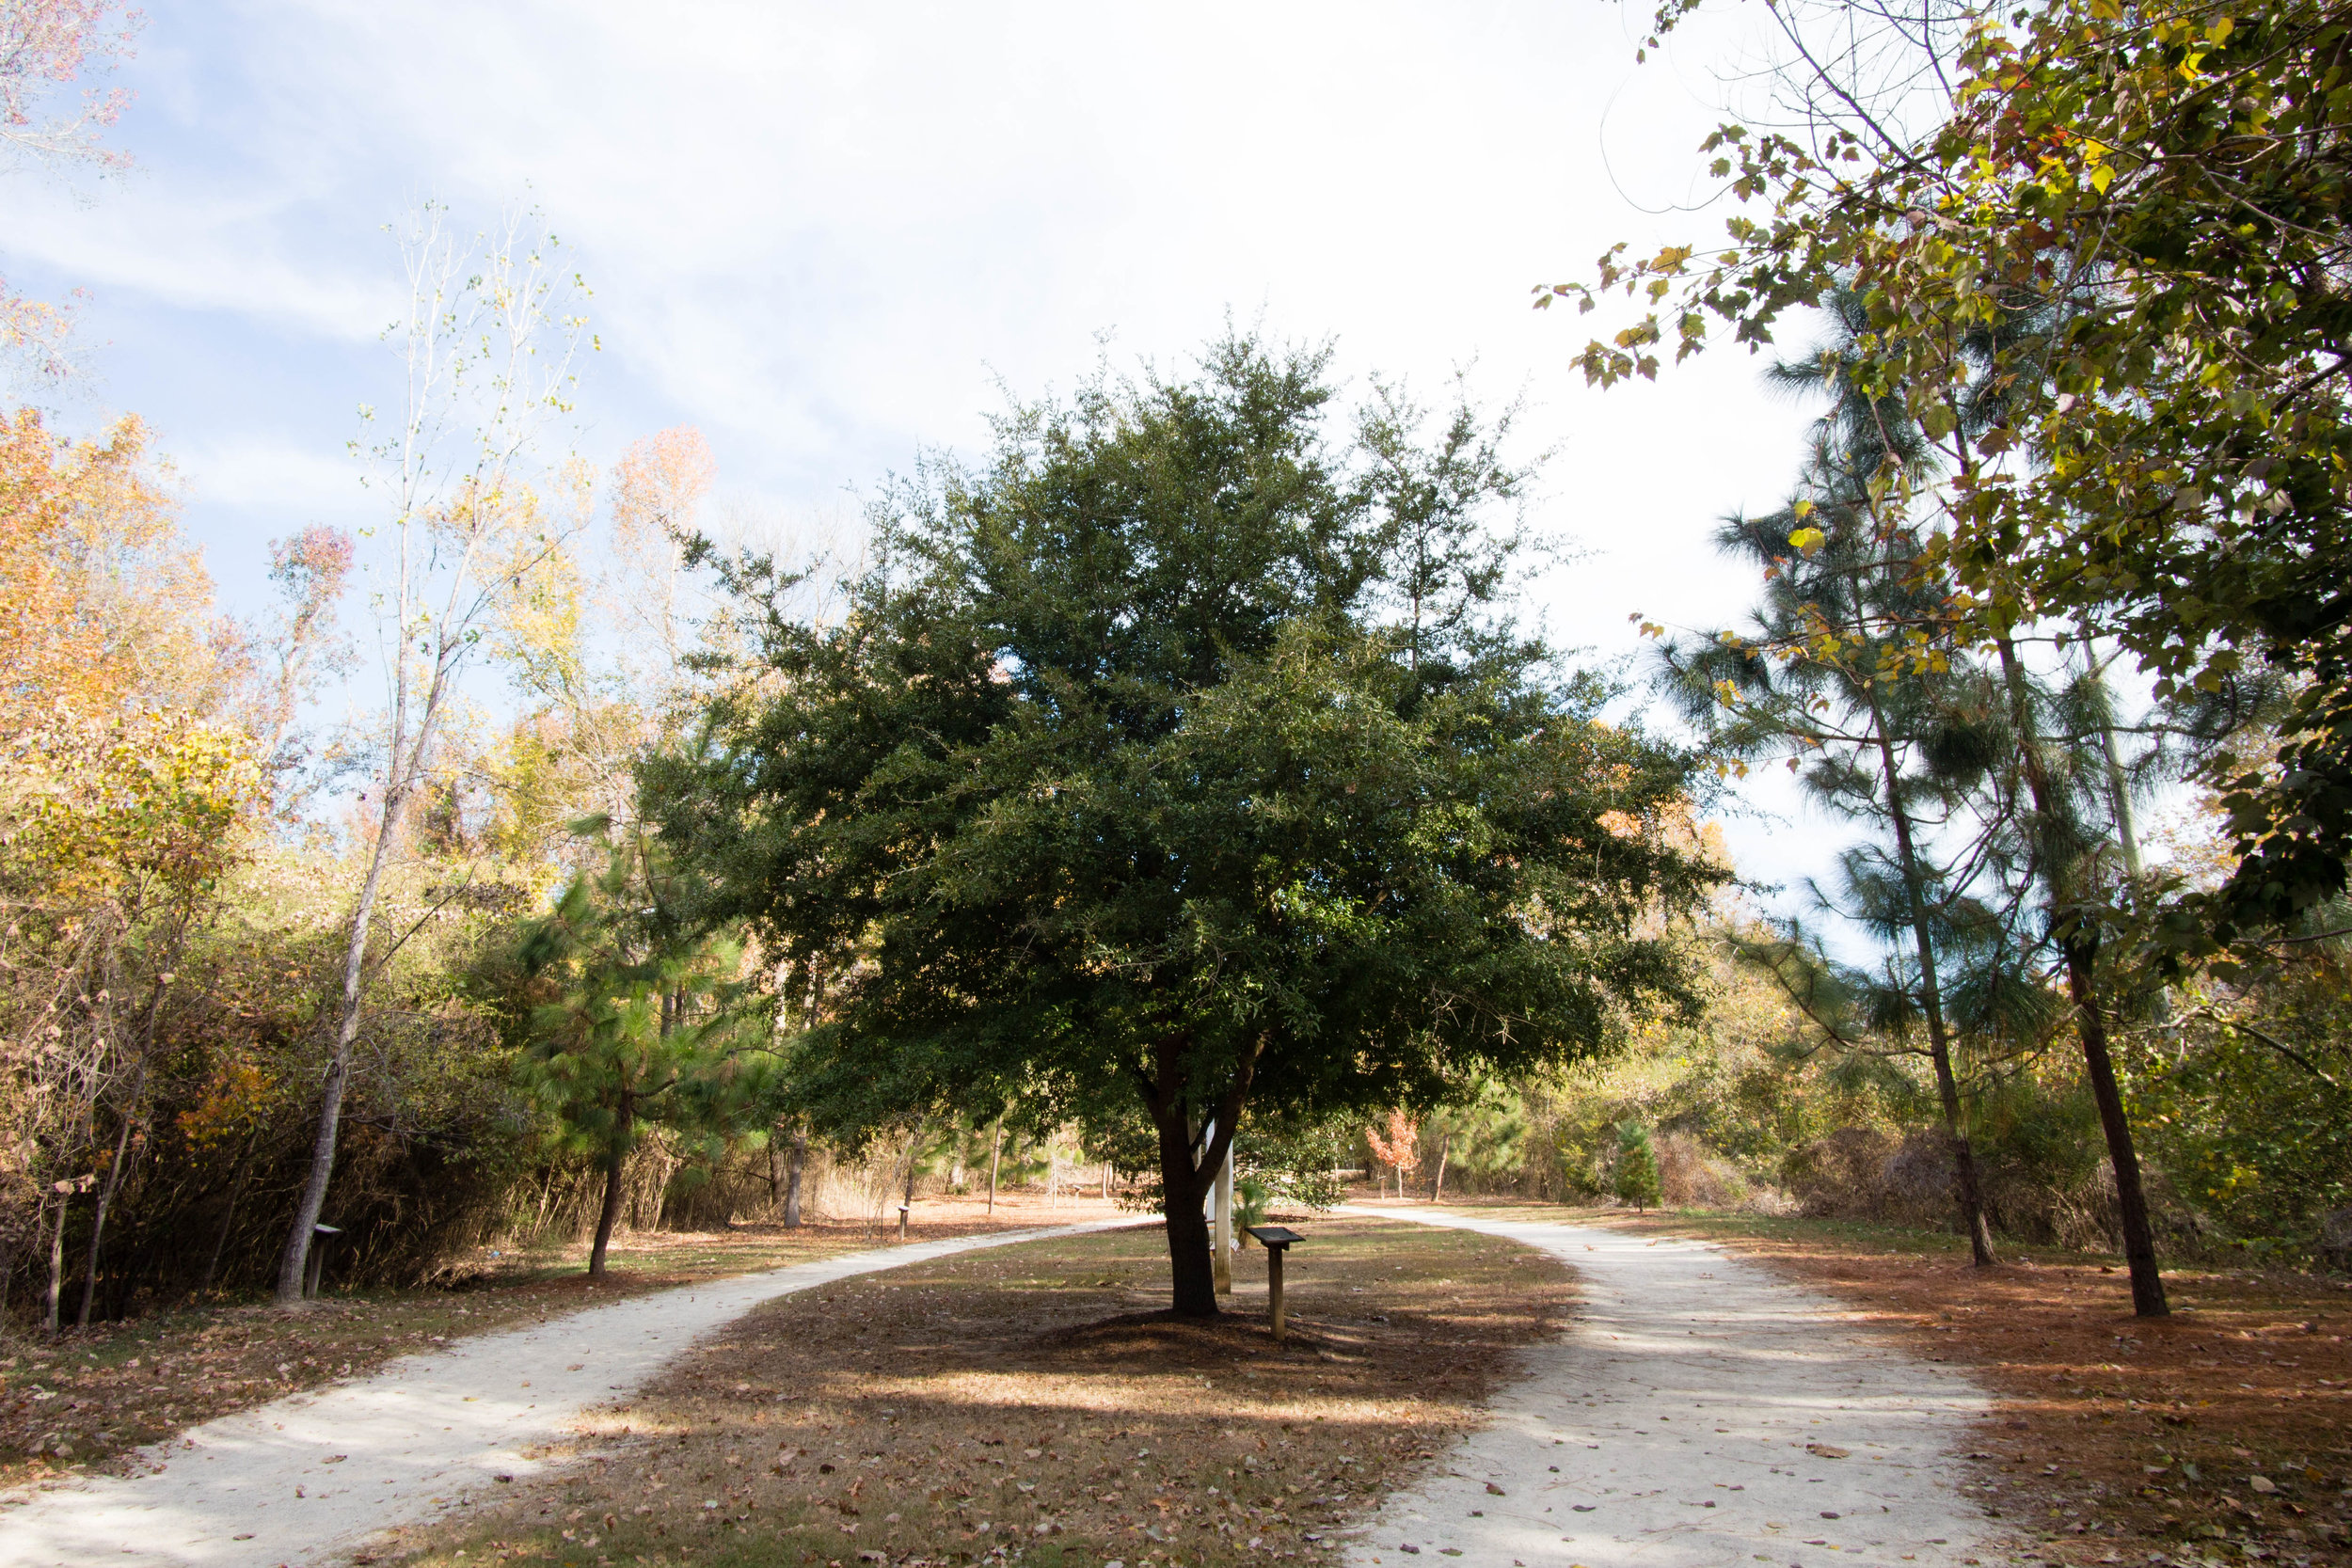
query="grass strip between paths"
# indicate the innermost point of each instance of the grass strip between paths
(1036, 1403)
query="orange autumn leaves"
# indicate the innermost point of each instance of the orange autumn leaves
(111, 770)
(658, 485)
(123, 796)
(1398, 1146)
(94, 582)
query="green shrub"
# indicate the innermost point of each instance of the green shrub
(1637, 1166)
(1251, 1196)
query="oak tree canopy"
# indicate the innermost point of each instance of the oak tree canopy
(1183, 758)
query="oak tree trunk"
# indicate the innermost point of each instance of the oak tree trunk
(1189, 1166)
(1190, 1261)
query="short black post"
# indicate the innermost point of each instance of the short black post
(1276, 1241)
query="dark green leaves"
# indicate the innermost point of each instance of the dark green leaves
(1180, 753)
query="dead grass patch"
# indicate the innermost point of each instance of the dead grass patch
(1035, 1403)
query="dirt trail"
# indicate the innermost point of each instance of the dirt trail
(305, 1481)
(1699, 1411)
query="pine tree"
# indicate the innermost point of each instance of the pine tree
(1637, 1166)
(1845, 674)
(640, 1033)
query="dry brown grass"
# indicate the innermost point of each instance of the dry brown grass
(2113, 1437)
(1034, 1402)
(85, 1399)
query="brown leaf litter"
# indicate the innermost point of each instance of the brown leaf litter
(1035, 1402)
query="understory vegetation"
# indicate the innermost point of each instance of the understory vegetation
(1748, 1110)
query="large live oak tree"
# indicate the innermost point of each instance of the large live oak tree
(1179, 759)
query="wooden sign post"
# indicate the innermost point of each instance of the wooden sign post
(1276, 1241)
(322, 1237)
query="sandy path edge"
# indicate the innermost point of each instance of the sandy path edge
(1690, 1418)
(306, 1479)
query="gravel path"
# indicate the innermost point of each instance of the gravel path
(302, 1481)
(1701, 1412)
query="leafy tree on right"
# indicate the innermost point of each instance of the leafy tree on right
(2107, 284)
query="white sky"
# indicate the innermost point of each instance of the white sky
(825, 234)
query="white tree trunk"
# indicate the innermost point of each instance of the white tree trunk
(480, 380)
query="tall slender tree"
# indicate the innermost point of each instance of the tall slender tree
(2066, 851)
(1848, 673)
(487, 346)
(1861, 733)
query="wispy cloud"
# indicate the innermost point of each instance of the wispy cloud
(201, 246)
(275, 479)
(824, 233)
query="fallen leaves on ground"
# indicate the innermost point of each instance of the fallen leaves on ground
(1035, 1402)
